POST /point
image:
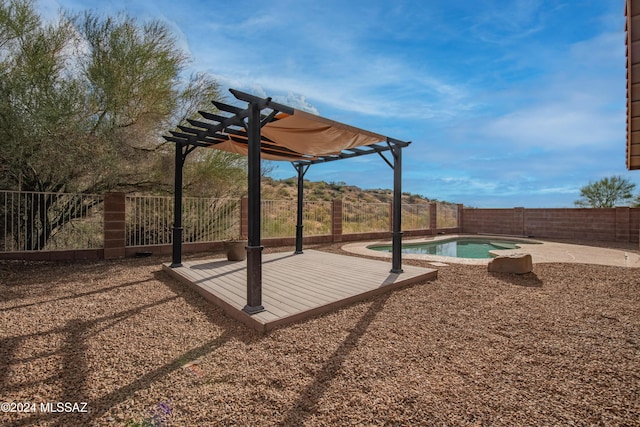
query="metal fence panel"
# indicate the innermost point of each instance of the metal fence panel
(365, 217)
(278, 218)
(35, 221)
(210, 220)
(149, 220)
(415, 217)
(447, 215)
(316, 218)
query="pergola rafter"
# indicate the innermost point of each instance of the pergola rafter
(273, 131)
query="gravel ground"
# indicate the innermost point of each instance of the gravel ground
(559, 346)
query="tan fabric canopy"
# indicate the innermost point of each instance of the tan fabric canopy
(285, 133)
(234, 146)
(314, 135)
(301, 136)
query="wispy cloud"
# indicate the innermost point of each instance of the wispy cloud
(556, 127)
(507, 23)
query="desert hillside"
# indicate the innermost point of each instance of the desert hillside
(286, 189)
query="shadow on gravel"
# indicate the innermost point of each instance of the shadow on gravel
(309, 398)
(73, 374)
(529, 280)
(214, 313)
(75, 295)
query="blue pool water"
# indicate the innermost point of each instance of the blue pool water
(456, 247)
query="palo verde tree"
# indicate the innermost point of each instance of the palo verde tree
(84, 101)
(606, 193)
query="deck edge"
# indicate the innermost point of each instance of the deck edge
(233, 312)
(298, 317)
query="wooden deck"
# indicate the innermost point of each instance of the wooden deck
(294, 287)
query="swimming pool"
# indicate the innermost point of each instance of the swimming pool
(456, 247)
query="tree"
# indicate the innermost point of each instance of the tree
(83, 104)
(606, 193)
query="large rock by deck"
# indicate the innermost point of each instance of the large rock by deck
(514, 263)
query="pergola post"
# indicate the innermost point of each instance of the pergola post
(254, 247)
(302, 170)
(176, 257)
(396, 260)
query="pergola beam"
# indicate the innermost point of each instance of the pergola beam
(226, 107)
(261, 102)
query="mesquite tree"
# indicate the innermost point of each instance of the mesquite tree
(83, 104)
(606, 193)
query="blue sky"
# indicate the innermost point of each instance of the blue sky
(507, 102)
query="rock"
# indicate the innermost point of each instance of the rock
(514, 263)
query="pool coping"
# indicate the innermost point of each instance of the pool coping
(542, 251)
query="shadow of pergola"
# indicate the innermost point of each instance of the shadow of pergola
(307, 402)
(74, 372)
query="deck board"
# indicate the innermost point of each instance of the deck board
(294, 287)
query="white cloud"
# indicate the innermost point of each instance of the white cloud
(297, 101)
(556, 126)
(563, 189)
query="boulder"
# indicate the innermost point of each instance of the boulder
(514, 263)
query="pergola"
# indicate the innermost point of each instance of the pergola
(272, 131)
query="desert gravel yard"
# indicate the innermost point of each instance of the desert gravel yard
(559, 346)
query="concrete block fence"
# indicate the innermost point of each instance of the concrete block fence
(602, 224)
(617, 224)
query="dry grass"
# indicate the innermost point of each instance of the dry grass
(559, 346)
